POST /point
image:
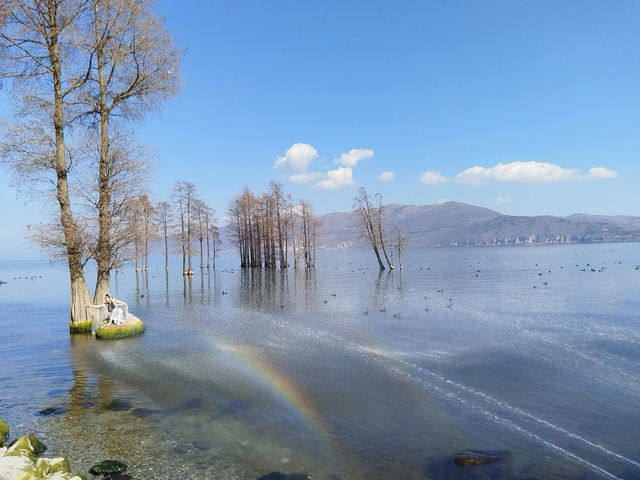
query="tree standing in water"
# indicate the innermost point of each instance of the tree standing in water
(367, 214)
(164, 216)
(37, 55)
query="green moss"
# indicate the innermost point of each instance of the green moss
(4, 431)
(21, 447)
(111, 332)
(81, 327)
(37, 447)
(48, 466)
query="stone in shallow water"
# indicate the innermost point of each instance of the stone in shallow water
(118, 476)
(119, 405)
(107, 467)
(51, 411)
(143, 412)
(284, 476)
(467, 458)
(200, 445)
(180, 449)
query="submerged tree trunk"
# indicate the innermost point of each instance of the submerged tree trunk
(80, 296)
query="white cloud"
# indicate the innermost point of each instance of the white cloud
(432, 178)
(504, 199)
(353, 156)
(531, 172)
(386, 176)
(341, 177)
(442, 200)
(305, 177)
(597, 173)
(296, 158)
(527, 172)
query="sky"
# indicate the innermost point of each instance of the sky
(527, 107)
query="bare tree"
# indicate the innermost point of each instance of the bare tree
(216, 242)
(379, 213)
(37, 55)
(147, 211)
(134, 65)
(184, 195)
(367, 213)
(164, 217)
(400, 244)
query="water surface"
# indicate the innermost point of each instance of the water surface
(341, 371)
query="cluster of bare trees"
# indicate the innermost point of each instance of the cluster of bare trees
(371, 213)
(269, 226)
(83, 69)
(195, 224)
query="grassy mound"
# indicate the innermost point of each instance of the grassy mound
(131, 327)
(81, 327)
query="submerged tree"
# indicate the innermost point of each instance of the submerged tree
(81, 59)
(367, 213)
(164, 218)
(37, 55)
(400, 244)
(134, 66)
(263, 226)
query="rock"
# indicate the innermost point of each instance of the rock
(131, 327)
(37, 447)
(284, 476)
(17, 467)
(180, 449)
(49, 466)
(199, 445)
(106, 467)
(143, 412)
(466, 458)
(119, 405)
(4, 432)
(21, 447)
(51, 411)
(118, 476)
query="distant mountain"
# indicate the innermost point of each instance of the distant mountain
(454, 223)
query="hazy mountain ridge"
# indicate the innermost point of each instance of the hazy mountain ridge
(454, 223)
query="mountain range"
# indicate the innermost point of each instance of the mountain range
(454, 223)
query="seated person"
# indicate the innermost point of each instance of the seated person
(118, 311)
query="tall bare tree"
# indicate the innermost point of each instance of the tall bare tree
(367, 213)
(400, 244)
(134, 66)
(379, 213)
(164, 218)
(37, 55)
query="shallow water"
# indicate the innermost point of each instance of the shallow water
(341, 371)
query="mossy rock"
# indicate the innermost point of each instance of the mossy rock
(48, 466)
(21, 447)
(106, 467)
(37, 447)
(19, 467)
(81, 327)
(131, 327)
(4, 432)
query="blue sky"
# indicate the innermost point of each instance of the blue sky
(527, 107)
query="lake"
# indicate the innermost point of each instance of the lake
(341, 372)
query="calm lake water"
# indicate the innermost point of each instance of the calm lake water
(341, 371)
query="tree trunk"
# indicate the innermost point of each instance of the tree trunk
(103, 256)
(80, 297)
(166, 249)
